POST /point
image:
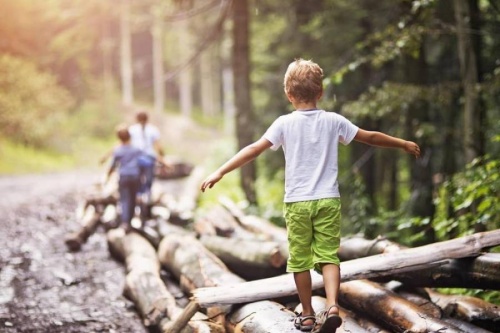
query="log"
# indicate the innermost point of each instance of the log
(480, 272)
(387, 308)
(194, 266)
(109, 219)
(176, 170)
(432, 309)
(476, 273)
(221, 221)
(145, 287)
(369, 267)
(254, 223)
(351, 322)
(468, 308)
(182, 211)
(90, 222)
(261, 317)
(250, 259)
(218, 221)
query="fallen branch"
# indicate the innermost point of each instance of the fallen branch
(363, 268)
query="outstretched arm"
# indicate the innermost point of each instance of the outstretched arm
(383, 140)
(241, 158)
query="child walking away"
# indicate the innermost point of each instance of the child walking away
(126, 159)
(309, 138)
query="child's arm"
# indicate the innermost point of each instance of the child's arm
(109, 173)
(241, 158)
(105, 157)
(383, 140)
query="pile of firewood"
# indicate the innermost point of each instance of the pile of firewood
(224, 271)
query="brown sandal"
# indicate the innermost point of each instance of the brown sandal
(299, 322)
(326, 322)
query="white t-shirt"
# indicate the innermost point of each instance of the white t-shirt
(310, 142)
(144, 137)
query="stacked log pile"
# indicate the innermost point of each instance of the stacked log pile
(224, 271)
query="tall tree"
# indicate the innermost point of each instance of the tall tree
(157, 38)
(467, 26)
(243, 103)
(126, 54)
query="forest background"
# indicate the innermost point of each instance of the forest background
(427, 71)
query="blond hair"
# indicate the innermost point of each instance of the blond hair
(303, 80)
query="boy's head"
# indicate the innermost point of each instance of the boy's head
(122, 133)
(303, 81)
(142, 117)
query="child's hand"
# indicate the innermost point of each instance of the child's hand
(211, 180)
(166, 164)
(412, 148)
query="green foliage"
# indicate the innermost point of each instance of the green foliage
(32, 104)
(229, 186)
(488, 296)
(469, 201)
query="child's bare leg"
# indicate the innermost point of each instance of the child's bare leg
(304, 289)
(331, 279)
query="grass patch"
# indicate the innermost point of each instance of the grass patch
(19, 159)
(83, 152)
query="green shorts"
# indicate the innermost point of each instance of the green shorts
(313, 233)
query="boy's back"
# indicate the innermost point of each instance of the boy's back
(310, 141)
(127, 158)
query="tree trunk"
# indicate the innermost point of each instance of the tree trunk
(90, 221)
(261, 317)
(244, 112)
(220, 222)
(470, 309)
(479, 272)
(254, 223)
(386, 307)
(183, 210)
(194, 267)
(469, 62)
(157, 53)
(126, 54)
(432, 309)
(363, 268)
(250, 259)
(145, 287)
(185, 75)
(351, 322)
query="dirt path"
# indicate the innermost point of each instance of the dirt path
(44, 287)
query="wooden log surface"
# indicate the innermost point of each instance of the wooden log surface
(89, 223)
(477, 272)
(261, 317)
(470, 309)
(254, 223)
(388, 308)
(250, 259)
(147, 290)
(373, 266)
(194, 266)
(351, 322)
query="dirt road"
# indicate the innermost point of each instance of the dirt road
(43, 286)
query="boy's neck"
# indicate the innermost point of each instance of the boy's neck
(305, 106)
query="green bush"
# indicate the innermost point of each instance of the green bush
(32, 104)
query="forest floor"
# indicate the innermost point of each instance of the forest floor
(43, 286)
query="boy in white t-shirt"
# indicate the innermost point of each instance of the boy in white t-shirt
(146, 137)
(309, 138)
